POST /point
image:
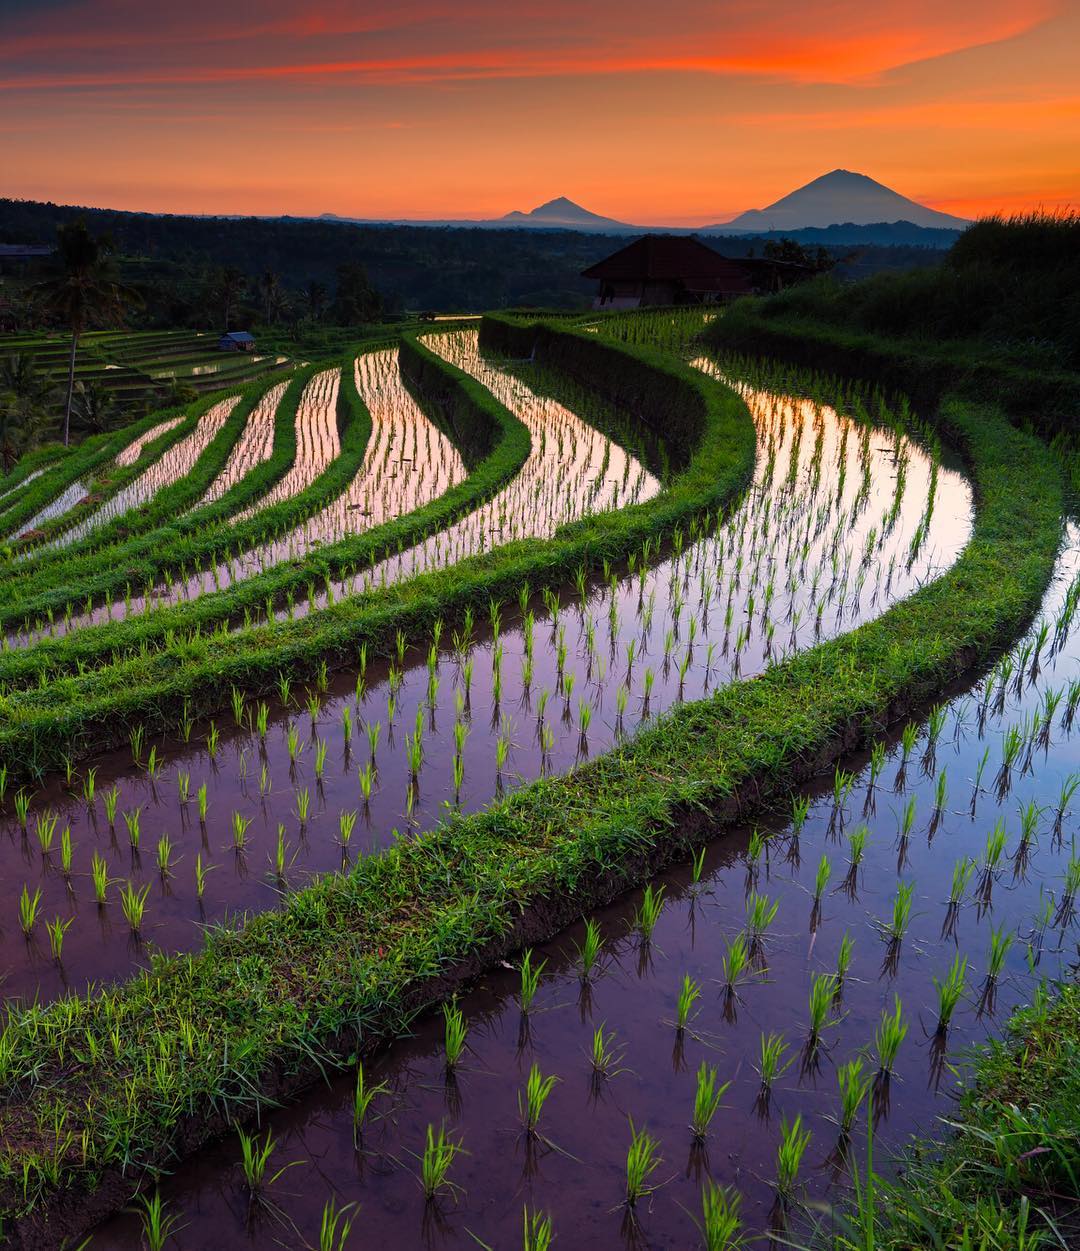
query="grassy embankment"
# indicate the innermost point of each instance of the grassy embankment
(95, 1090)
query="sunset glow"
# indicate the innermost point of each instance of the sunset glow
(683, 113)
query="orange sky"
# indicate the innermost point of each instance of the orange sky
(682, 113)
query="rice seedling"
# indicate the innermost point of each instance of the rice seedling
(364, 1095)
(642, 1160)
(909, 736)
(239, 825)
(823, 990)
(907, 820)
(157, 1224)
(132, 821)
(1000, 945)
(890, 1033)
(877, 761)
(897, 925)
(772, 1063)
(201, 800)
(133, 905)
(760, 914)
(821, 878)
(707, 1096)
(112, 799)
(255, 1156)
(201, 871)
(735, 962)
(366, 778)
(530, 981)
(843, 959)
(45, 830)
(963, 872)
(995, 848)
(697, 865)
(183, 785)
(320, 759)
(303, 804)
(454, 1033)
(89, 786)
(538, 1233)
(213, 740)
(29, 909)
(335, 1227)
(604, 1055)
(789, 1155)
(854, 1087)
(99, 875)
(437, 1159)
(163, 855)
(689, 994)
(589, 951)
(22, 806)
(648, 912)
(720, 1222)
(800, 810)
(531, 1102)
(950, 992)
(57, 928)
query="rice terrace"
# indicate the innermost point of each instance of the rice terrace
(534, 731)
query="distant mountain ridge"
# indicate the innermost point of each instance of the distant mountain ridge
(841, 197)
(564, 214)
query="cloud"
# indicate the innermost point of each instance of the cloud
(119, 42)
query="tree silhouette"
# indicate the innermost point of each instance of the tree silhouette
(24, 399)
(227, 289)
(84, 292)
(316, 296)
(96, 406)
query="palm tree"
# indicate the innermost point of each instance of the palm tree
(316, 298)
(227, 288)
(24, 398)
(96, 406)
(273, 294)
(83, 292)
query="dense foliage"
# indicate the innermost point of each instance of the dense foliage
(1012, 285)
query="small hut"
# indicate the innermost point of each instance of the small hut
(237, 341)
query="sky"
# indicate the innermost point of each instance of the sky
(685, 112)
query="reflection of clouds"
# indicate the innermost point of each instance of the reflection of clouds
(253, 447)
(572, 470)
(317, 443)
(170, 467)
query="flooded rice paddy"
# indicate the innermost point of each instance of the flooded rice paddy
(952, 837)
(256, 444)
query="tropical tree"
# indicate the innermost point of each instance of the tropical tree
(227, 289)
(96, 407)
(25, 396)
(356, 300)
(274, 297)
(85, 291)
(316, 296)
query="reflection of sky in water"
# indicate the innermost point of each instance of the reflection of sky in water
(673, 631)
